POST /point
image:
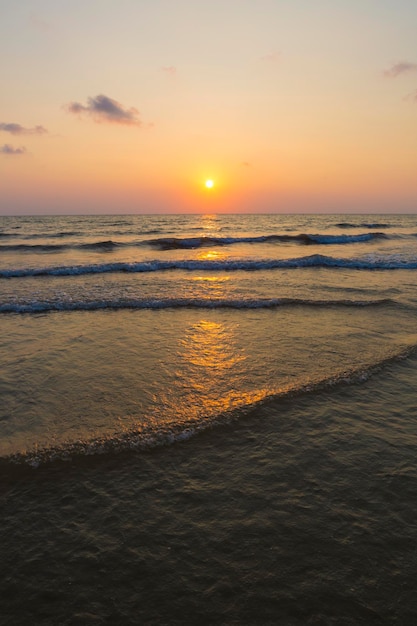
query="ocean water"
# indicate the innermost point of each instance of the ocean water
(209, 419)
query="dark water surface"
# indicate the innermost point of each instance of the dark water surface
(302, 513)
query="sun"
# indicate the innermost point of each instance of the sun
(209, 183)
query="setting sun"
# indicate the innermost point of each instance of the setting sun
(209, 183)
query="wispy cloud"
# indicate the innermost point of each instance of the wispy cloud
(170, 70)
(8, 149)
(18, 129)
(412, 96)
(39, 23)
(105, 109)
(272, 57)
(403, 67)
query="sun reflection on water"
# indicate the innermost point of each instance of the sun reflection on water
(210, 222)
(209, 345)
(212, 376)
(211, 255)
(210, 288)
(211, 279)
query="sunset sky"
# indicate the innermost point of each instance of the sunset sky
(131, 106)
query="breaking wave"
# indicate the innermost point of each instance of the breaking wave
(312, 261)
(99, 246)
(173, 243)
(364, 225)
(39, 306)
(184, 243)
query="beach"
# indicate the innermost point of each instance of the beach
(208, 419)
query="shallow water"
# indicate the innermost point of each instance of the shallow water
(125, 330)
(302, 513)
(75, 378)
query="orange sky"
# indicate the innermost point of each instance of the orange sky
(288, 107)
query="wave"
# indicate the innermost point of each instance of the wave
(158, 435)
(343, 239)
(39, 306)
(33, 247)
(153, 231)
(178, 243)
(364, 225)
(174, 243)
(312, 261)
(46, 235)
(100, 246)
(60, 234)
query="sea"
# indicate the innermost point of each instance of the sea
(208, 419)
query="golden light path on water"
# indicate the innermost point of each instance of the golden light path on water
(210, 364)
(212, 375)
(209, 378)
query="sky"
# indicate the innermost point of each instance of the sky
(130, 106)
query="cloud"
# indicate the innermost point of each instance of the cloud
(403, 67)
(412, 96)
(273, 57)
(171, 70)
(17, 129)
(38, 23)
(7, 149)
(105, 109)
